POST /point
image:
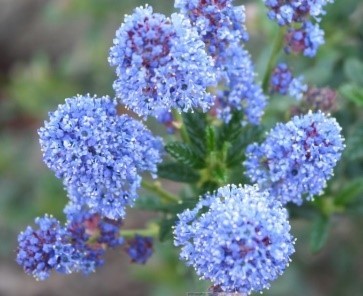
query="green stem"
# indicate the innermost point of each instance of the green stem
(156, 188)
(183, 132)
(152, 230)
(273, 58)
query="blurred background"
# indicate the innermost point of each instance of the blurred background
(53, 49)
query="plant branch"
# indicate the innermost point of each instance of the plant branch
(273, 58)
(156, 188)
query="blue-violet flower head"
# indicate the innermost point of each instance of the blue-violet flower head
(297, 158)
(238, 238)
(140, 249)
(283, 82)
(98, 154)
(241, 92)
(161, 63)
(217, 21)
(306, 39)
(45, 249)
(286, 11)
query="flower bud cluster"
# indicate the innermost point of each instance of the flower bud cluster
(303, 36)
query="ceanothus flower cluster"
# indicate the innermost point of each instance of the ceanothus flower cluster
(161, 63)
(48, 248)
(286, 12)
(241, 93)
(221, 26)
(218, 22)
(308, 37)
(140, 249)
(78, 246)
(297, 158)
(98, 153)
(238, 238)
(283, 82)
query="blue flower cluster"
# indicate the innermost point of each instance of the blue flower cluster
(98, 153)
(285, 12)
(222, 27)
(161, 63)
(36, 251)
(218, 22)
(140, 249)
(297, 158)
(283, 82)
(241, 93)
(238, 238)
(76, 247)
(307, 37)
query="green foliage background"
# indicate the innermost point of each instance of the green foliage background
(31, 87)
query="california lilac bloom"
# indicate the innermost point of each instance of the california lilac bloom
(45, 249)
(236, 73)
(297, 158)
(91, 235)
(283, 82)
(238, 238)
(98, 154)
(285, 12)
(140, 249)
(324, 99)
(218, 22)
(161, 63)
(306, 39)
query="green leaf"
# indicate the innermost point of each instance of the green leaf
(230, 131)
(195, 124)
(178, 172)
(210, 138)
(184, 154)
(319, 233)
(353, 70)
(354, 143)
(352, 93)
(236, 152)
(350, 192)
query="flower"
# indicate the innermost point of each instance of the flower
(241, 92)
(237, 237)
(161, 63)
(283, 82)
(98, 154)
(91, 234)
(285, 12)
(140, 249)
(217, 21)
(47, 248)
(306, 39)
(297, 158)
